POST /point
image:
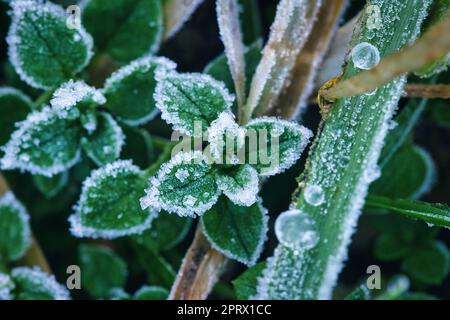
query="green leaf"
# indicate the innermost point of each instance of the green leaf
(15, 234)
(34, 284)
(127, 29)
(14, 107)
(440, 112)
(392, 246)
(105, 143)
(245, 284)
(191, 101)
(6, 287)
(46, 143)
(360, 293)
(166, 232)
(102, 270)
(118, 294)
(417, 296)
(129, 91)
(431, 213)
(409, 174)
(42, 49)
(151, 293)
(186, 185)
(50, 187)
(239, 183)
(77, 94)
(275, 145)
(429, 263)
(238, 232)
(109, 203)
(138, 146)
(396, 287)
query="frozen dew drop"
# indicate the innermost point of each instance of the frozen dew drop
(182, 174)
(296, 230)
(365, 56)
(314, 195)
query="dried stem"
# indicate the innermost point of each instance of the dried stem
(34, 255)
(176, 13)
(430, 91)
(199, 271)
(432, 46)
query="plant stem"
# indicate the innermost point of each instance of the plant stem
(430, 91)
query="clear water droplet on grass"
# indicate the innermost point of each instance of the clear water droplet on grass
(365, 56)
(314, 195)
(296, 230)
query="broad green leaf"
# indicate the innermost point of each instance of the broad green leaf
(50, 187)
(392, 246)
(105, 143)
(151, 293)
(166, 232)
(14, 107)
(275, 145)
(429, 263)
(42, 48)
(34, 284)
(109, 203)
(15, 234)
(186, 185)
(239, 183)
(245, 284)
(191, 101)
(102, 270)
(130, 90)
(126, 29)
(138, 146)
(431, 213)
(409, 174)
(238, 232)
(360, 293)
(46, 143)
(6, 287)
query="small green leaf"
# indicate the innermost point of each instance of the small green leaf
(191, 102)
(118, 294)
(151, 293)
(429, 263)
(440, 112)
(138, 146)
(239, 183)
(78, 94)
(409, 174)
(127, 29)
(238, 232)
(431, 213)
(186, 185)
(105, 143)
(46, 143)
(275, 145)
(34, 284)
(6, 287)
(130, 90)
(42, 48)
(50, 187)
(417, 296)
(15, 234)
(360, 293)
(102, 270)
(109, 203)
(245, 284)
(14, 107)
(392, 246)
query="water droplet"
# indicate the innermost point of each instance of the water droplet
(295, 230)
(314, 195)
(365, 56)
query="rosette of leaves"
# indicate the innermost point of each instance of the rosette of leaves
(191, 182)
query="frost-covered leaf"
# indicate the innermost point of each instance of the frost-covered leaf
(360, 293)
(6, 287)
(274, 144)
(245, 284)
(102, 270)
(76, 94)
(238, 232)
(239, 183)
(191, 101)
(130, 90)
(151, 293)
(186, 185)
(429, 264)
(409, 174)
(109, 203)
(15, 234)
(42, 49)
(105, 143)
(126, 29)
(50, 187)
(14, 107)
(46, 143)
(34, 284)
(166, 232)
